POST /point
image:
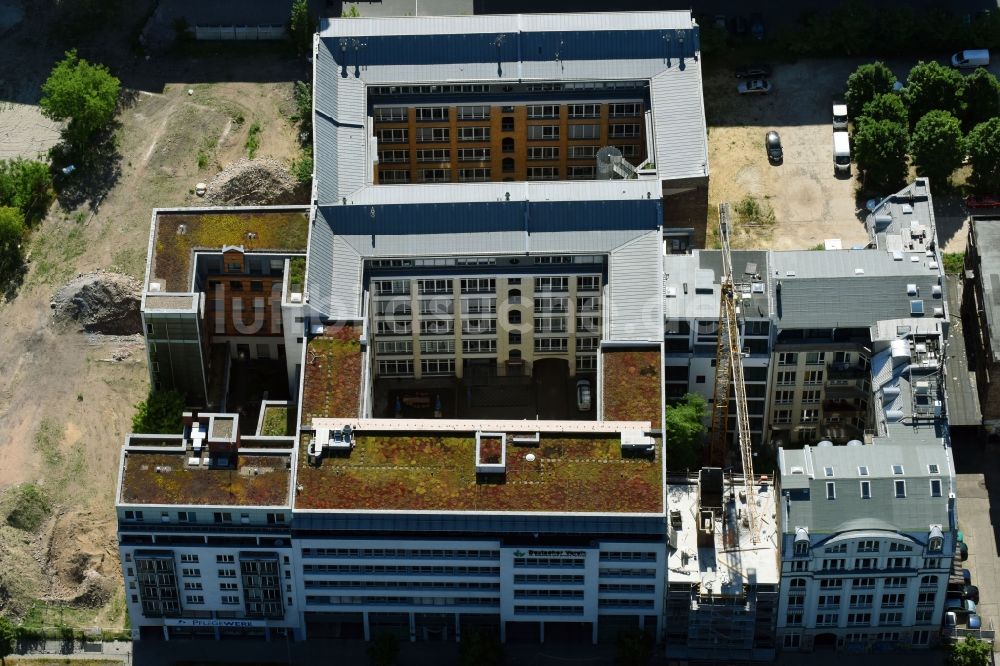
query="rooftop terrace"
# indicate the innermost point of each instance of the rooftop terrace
(167, 478)
(431, 472)
(632, 385)
(179, 234)
(332, 382)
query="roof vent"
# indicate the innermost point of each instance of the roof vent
(182, 229)
(911, 289)
(936, 291)
(859, 271)
(798, 470)
(897, 255)
(938, 312)
(825, 443)
(854, 442)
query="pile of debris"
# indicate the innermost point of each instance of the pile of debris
(101, 302)
(259, 182)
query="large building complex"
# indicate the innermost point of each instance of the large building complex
(432, 402)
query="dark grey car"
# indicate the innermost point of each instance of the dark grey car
(772, 142)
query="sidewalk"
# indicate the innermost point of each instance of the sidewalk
(76, 651)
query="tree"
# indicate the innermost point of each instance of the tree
(300, 26)
(479, 648)
(633, 648)
(970, 652)
(26, 185)
(981, 98)
(867, 81)
(880, 151)
(11, 234)
(83, 94)
(983, 144)
(931, 85)
(384, 650)
(685, 426)
(8, 639)
(161, 413)
(885, 106)
(937, 145)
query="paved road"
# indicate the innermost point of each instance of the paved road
(978, 466)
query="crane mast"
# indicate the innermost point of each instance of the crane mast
(729, 377)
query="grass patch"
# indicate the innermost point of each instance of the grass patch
(275, 422)
(954, 262)
(129, 261)
(30, 508)
(754, 212)
(202, 159)
(48, 440)
(53, 255)
(297, 273)
(818, 246)
(253, 139)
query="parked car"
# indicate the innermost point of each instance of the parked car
(949, 623)
(967, 576)
(772, 143)
(753, 71)
(841, 153)
(975, 622)
(971, 592)
(963, 551)
(583, 395)
(754, 87)
(971, 58)
(839, 116)
(960, 607)
(982, 201)
(757, 26)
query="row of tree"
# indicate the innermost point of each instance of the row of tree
(939, 117)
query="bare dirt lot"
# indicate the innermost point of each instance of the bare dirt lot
(66, 397)
(809, 202)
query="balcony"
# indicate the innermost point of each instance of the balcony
(845, 371)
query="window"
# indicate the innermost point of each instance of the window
(433, 135)
(935, 487)
(584, 110)
(394, 327)
(863, 583)
(514, 338)
(865, 563)
(396, 367)
(588, 283)
(228, 587)
(584, 131)
(473, 175)
(473, 154)
(478, 285)
(437, 327)
(797, 583)
(581, 172)
(551, 345)
(815, 358)
(786, 378)
(543, 111)
(475, 346)
(473, 133)
(222, 517)
(393, 156)
(437, 366)
(895, 581)
(435, 175)
(929, 581)
(791, 641)
(900, 488)
(434, 155)
(932, 469)
(225, 559)
(900, 548)
(188, 557)
(788, 358)
(193, 587)
(588, 324)
(810, 397)
(784, 397)
(586, 363)
(433, 113)
(796, 600)
(838, 548)
(543, 132)
(814, 377)
(395, 114)
(230, 599)
(793, 619)
(863, 470)
(783, 416)
(801, 547)
(897, 470)
(810, 415)
(623, 110)
(583, 152)
(926, 599)
(473, 112)
(861, 600)
(479, 326)
(191, 573)
(543, 173)
(551, 284)
(827, 619)
(395, 347)
(898, 563)
(194, 599)
(623, 130)
(868, 546)
(831, 583)
(437, 346)
(801, 565)
(834, 564)
(393, 176)
(829, 601)
(827, 471)
(395, 135)
(227, 573)
(890, 619)
(859, 619)
(866, 490)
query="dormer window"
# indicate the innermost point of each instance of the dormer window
(933, 469)
(801, 545)
(935, 541)
(828, 471)
(897, 470)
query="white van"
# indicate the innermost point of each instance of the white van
(839, 117)
(841, 153)
(971, 59)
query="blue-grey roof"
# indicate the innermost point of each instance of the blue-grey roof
(657, 47)
(849, 288)
(342, 236)
(803, 484)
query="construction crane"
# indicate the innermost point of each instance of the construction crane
(729, 377)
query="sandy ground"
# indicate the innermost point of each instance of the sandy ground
(64, 380)
(25, 132)
(810, 203)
